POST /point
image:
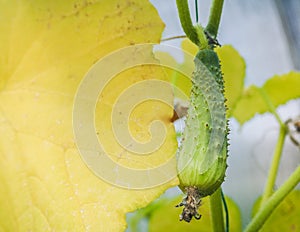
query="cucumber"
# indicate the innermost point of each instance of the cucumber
(202, 155)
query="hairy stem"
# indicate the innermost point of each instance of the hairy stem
(214, 18)
(275, 164)
(186, 22)
(269, 207)
(217, 211)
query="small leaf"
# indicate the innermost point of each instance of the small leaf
(285, 217)
(279, 90)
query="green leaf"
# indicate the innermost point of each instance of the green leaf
(279, 90)
(285, 217)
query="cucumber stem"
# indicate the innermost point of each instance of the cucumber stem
(186, 21)
(214, 18)
(216, 209)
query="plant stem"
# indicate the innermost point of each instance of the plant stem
(196, 8)
(226, 212)
(186, 22)
(270, 105)
(173, 37)
(274, 166)
(214, 18)
(216, 209)
(269, 207)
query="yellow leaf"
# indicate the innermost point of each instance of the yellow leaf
(189, 47)
(180, 74)
(46, 49)
(233, 68)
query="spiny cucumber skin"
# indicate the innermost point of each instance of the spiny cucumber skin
(203, 151)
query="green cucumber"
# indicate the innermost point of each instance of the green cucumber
(201, 157)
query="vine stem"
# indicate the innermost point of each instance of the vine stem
(263, 214)
(278, 150)
(214, 18)
(173, 37)
(196, 8)
(275, 164)
(186, 21)
(216, 209)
